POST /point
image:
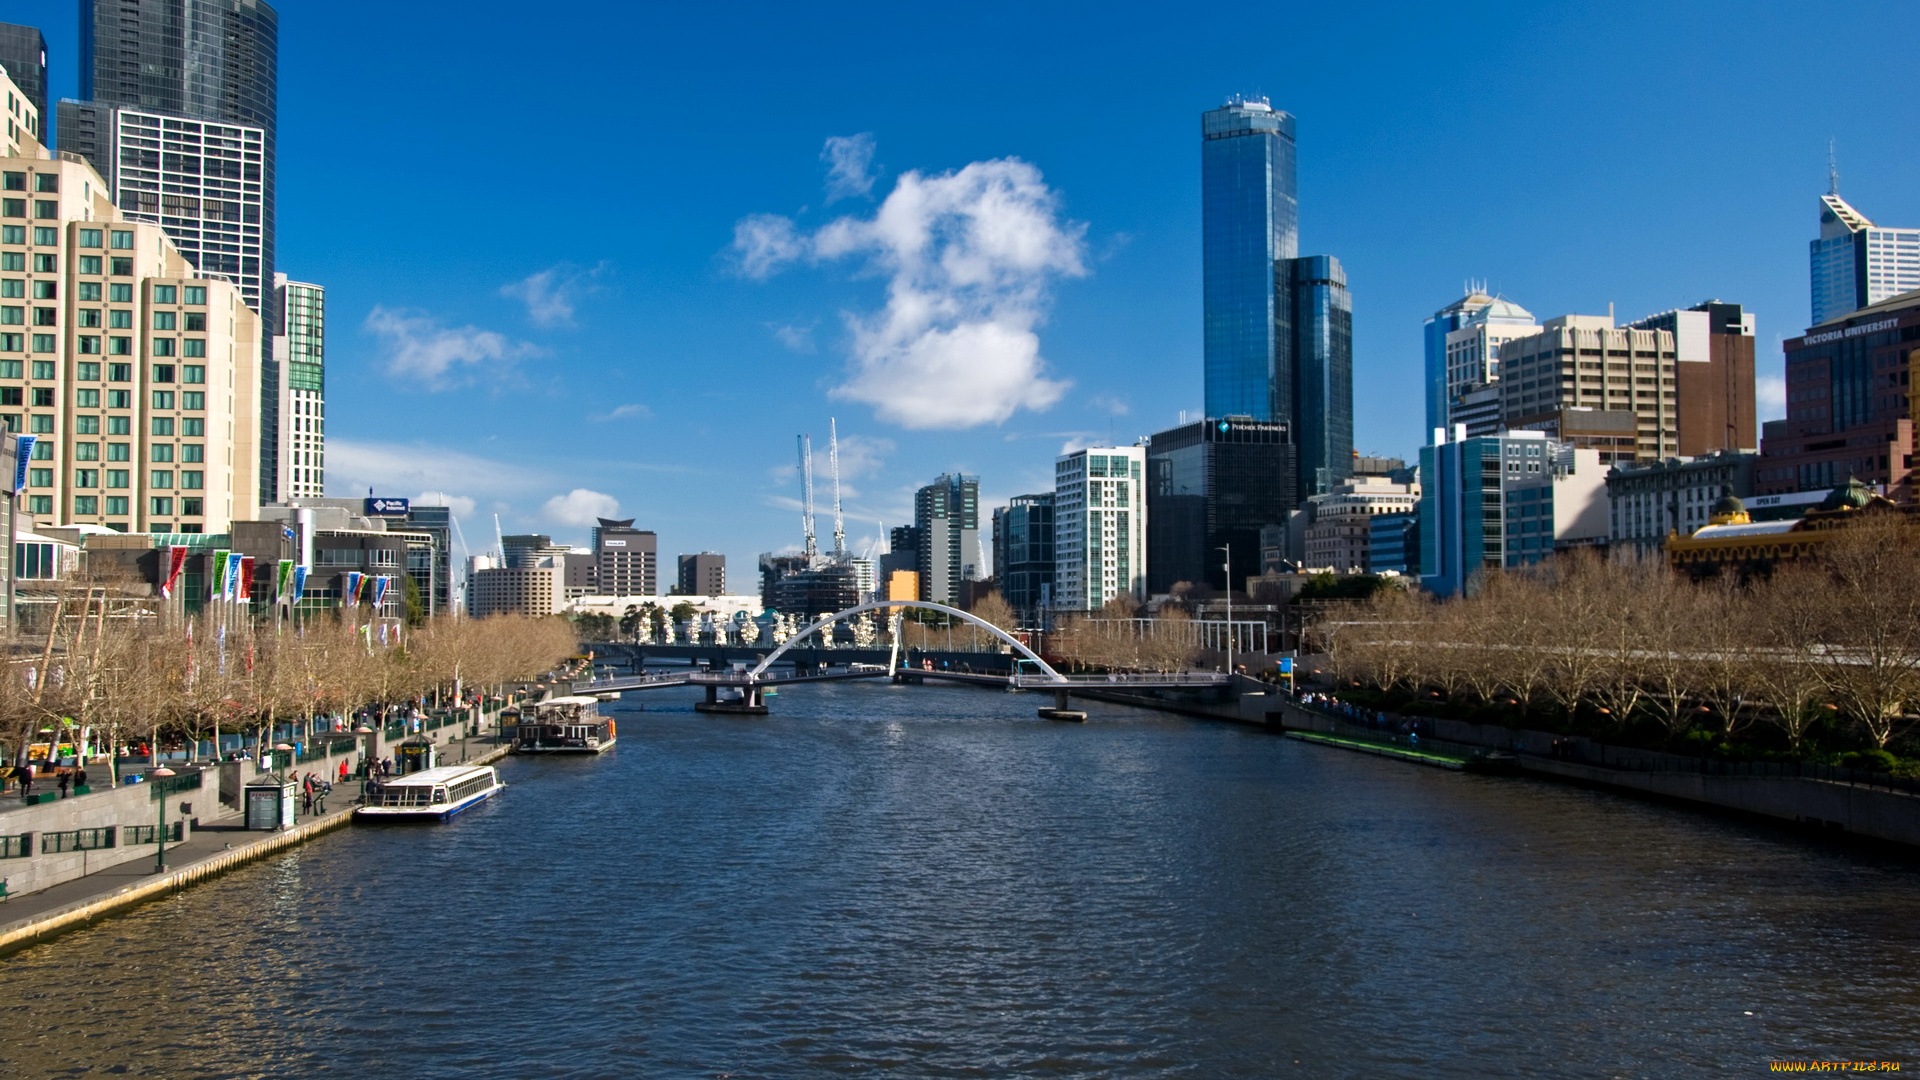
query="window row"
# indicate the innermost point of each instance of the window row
(190, 479)
(116, 505)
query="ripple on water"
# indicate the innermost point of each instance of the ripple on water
(929, 882)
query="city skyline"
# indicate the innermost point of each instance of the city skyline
(648, 348)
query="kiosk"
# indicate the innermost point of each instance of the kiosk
(270, 802)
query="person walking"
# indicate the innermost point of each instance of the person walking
(62, 783)
(26, 779)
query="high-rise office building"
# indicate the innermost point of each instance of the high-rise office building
(626, 559)
(1504, 500)
(946, 522)
(1023, 552)
(1278, 328)
(1214, 484)
(23, 53)
(1463, 343)
(1713, 376)
(1099, 527)
(177, 109)
(1855, 262)
(136, 375)
(1437, 371)
(702, 574)
(300, 348)
(1578, 367)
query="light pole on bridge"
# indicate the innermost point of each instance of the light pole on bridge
(1228, 567)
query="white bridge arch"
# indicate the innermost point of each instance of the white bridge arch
(876, 605)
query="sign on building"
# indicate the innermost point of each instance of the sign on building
(387, 507)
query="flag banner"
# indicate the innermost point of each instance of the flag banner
(351, 595)
(282, 579)
(246, 579)
(383, 633)
(176, 562)
(380, 590)
(23, 445)
(234, 562)
(217, 581)
(299, 584)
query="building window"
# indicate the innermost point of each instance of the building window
(160, 504)
(163, 373)
(194, 346)
(47, 182)
(50, 264)
(117, 478)
(163, 399)
(163, 346)
(121, 267)
(13, 208)
(119, 372)
(162, 425)
(193, 452)
(193, 373)
(13, 234)
(119, 399)
(86, 478)
(196, 294)
(120, 346)
(163, 294)
(87, 451)
(190, 507)
(91, 264)
(46, 290)
(46, 209)
(117, 504)
(191, 479)
(120, 425)
(86, 505)
(193, 399)
(16, 181)
(39, 504)
(87, 371)
(46, 316)
(193, 428)
(86, 399)
(90, 344)
(87, 317)
(13, 316)
(40, 425)
(122, 240)
(39, 477)
(90, 238)
(120, 294)
(160, 478)
(119, 451)
(163, 451)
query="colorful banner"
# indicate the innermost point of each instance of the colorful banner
(299, 584)
(24, 445)
(350, 596)
(246, 579)
(282, 579)
(234, 562)
(176, 562)
(380, 590)
(217, 581)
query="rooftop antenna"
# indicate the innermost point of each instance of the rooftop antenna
(833, 460)
(501, 550)
(1833, 170)
(810, 549)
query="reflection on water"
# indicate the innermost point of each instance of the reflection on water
(928, 881)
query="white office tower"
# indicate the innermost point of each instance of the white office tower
(1099, 527)
(300, 347)
(1856, 263)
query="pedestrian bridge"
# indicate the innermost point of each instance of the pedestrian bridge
(743, 690)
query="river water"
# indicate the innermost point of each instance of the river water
(930, 882)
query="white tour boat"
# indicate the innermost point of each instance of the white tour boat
(437, 793)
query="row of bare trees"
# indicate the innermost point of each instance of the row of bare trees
(1115, 640)
(1614, 640)
(131, 672)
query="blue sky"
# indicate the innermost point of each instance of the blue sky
(527, 224)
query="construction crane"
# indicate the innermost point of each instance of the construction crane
(811, 549)
(833, 460)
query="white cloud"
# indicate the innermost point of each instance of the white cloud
(462, 506)
(1077, 443)
(420, 348)
(797, 338)
(580, 507)
(970, 256)
(354, 466)
(552, 294)
(630, 411)
(849, 161)
(765, 241)
(1112, 404)
(1770, 394)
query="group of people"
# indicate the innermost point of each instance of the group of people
(64, 779)
(314, 791)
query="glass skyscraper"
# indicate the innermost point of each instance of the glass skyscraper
(1279, 328)
(1855, 262)
(178, 100)
(23, 52)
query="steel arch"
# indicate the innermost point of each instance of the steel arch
(876, 605)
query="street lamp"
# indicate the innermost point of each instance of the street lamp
(160, 837)
(1227, 566)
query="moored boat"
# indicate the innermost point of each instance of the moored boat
(436, 794)
(564, 725)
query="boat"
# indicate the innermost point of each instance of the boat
(563, 725)
(437, 793)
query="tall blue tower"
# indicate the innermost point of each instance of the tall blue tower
(1279, 339)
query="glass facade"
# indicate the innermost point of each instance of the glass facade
(1210, 485)
(1023, 552)
(23, 52)
(946, 521)
(1323, 409)
(1855, 263)
(1249, 223)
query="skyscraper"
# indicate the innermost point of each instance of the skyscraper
(1278, 328)
(23, 52)
(300, 347)
(1463, 343)
(946, 522)
(1855, 263)
(1099, 527)
(1214, 484)
(177, 111)
(1023, 552)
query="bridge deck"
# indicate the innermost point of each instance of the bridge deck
(1189, 680)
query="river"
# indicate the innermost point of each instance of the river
(930, 882)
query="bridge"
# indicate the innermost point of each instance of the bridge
(743, 691)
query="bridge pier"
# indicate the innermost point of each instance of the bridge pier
(1060, 711)
(750, 702)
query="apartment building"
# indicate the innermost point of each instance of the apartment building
(137, 376)
(1099, 527)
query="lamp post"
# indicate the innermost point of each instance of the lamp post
(160, 837)
(1228, 568)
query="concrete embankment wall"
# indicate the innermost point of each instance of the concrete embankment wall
(1862, 811)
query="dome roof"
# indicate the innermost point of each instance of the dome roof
(1729, 504)
(1852, 495)
(1502, 308)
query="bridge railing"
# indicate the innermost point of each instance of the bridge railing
(1163, 679)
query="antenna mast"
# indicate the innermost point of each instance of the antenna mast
(1833, 170)
(833, 458)
(811, 549)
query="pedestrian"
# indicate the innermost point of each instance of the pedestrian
(320, 796)
(26, 779)
(343, 770)
(79, 779)
(64, 780)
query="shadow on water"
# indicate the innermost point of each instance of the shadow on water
(929, 881)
